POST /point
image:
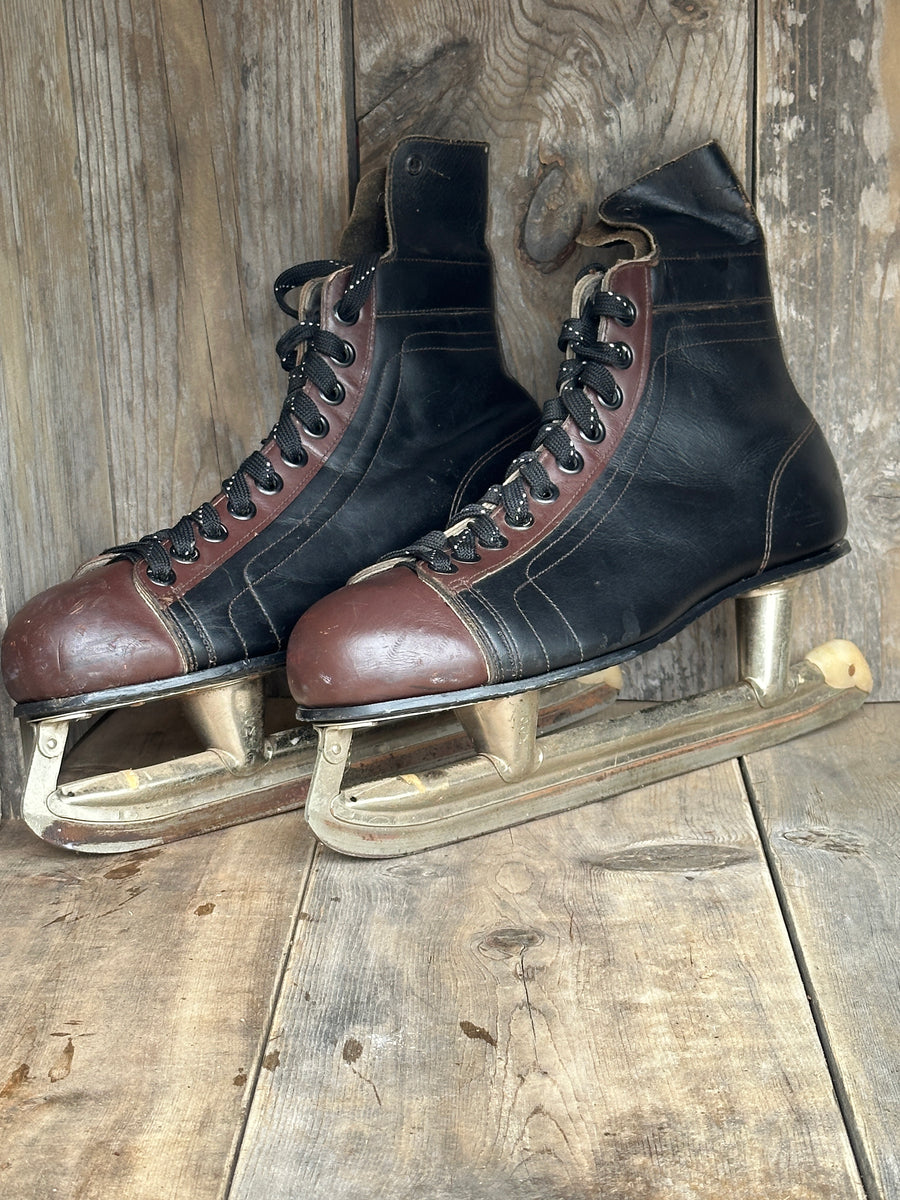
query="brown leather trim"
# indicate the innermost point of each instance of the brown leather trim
(385, 638)
(354, 377)
(87, 634)
(628, 279)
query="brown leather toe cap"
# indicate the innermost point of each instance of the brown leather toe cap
(85, 635)
(388, 637)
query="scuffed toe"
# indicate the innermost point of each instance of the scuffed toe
(88, 634)
(388, 637)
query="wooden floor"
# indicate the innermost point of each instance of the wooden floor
(691, 991)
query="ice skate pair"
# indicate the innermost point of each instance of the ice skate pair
(676, 467)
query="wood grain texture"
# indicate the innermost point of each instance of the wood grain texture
(134, 997)
(828, 803)
(52, 439)
(828, 187)
(12, 762)
(202, 132)
(603, 1003)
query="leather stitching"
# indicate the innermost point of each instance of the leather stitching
(511, 439)
(641, 417)
(201, 631)
(789, 454)
(168, 623)
(486, 649)
(290, 536)
(664, 357)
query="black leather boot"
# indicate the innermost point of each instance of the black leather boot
(676, 467)
(398, 412)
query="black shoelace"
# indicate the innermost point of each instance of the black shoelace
(527, 480)
(179, 543)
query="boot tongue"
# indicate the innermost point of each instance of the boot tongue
(437, 197)
(309, 300)
(584, 286)
(366, 231)
(695, 200)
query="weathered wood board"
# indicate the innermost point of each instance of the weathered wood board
(53, 460)
(215, 152)
(603, 1003)
(135, 995)
(828, 188)
(829, 807)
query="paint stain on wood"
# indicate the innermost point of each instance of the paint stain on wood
(63, 1064)
(204, 910)
(132, 867)
(19, 1076)
(272, 1059)
(352, 1050)
(351, 1053)
(123, 871)
(240, 1079)
(477, 1032)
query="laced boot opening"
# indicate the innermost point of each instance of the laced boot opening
(586, 368)
(310, 355)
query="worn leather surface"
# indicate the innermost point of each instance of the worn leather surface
(717, 473)
(385, 638)
(429, 420)
(92, 632)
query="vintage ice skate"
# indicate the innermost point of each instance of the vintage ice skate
(398, 411)
(676, 468)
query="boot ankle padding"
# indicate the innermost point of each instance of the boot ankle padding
(366, 232)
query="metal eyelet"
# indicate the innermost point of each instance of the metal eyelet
(629, 312)
(625, 354)
(320, 430)
(348, 356)
(247, 516)
(277, 485)
(552, 494)
(593, 438)
(220, 537)
(414, 164)
(344, 320)
(334, 397)
(192, 558)
(289, 462)
(167, 582)
(574, 465)
(526, 524)
(615, 402)
(501, 544)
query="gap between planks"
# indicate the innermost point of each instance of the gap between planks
(605, 1002)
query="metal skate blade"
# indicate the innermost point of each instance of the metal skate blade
(588, 762)
(245, 776)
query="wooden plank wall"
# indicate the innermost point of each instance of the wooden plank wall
(164, 159)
